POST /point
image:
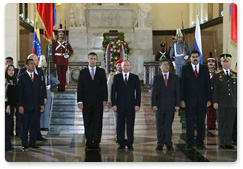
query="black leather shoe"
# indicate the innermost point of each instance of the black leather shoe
(96, 148)
(170, 148)
(188, 147)
(230, 147)
(25, 148)
(130, 147)
(34, 146)
(88, 148)
(201, 147)
(221, 147)
(159, 148)
(121, 148)
(41, 139)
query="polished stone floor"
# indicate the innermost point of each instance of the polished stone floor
(68, 146)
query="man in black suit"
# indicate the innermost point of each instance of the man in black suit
(92, 98)
(165, 101)
(39, 72)
(196, 97)
(125, 103)
(31, 103)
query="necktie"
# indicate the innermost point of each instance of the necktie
(227, 74)
(166, 80)
(125, 79)
(31, 76)
(195, 71)
(92, 73)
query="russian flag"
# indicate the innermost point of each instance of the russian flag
(36, 40)
(198, 41)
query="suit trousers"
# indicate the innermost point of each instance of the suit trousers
(226, 117)
(125, 119)
(30, 123)
(164, 122)
(61, 73)
(8, 128)
(93, 119)
(197, 111)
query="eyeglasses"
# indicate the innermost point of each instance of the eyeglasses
(165, 64)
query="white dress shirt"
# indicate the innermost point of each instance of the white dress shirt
(193, 67)
(166, 74)
(123, 74)
(90, 71)
(225, 72)
(30, 74)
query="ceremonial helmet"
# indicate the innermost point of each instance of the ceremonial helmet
(179, 33)
(42, 62)
(211, 61)
(225, 57)
(60, 30)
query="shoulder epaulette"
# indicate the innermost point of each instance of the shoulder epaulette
(235, 71)
(219, 71)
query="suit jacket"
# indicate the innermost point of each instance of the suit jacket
(41, 73)
(92, 92)
(224, 89)
(166, 98)
(195, 89)
(124, 96)
(29, 93)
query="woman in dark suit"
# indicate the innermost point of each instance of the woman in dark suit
(10, 103)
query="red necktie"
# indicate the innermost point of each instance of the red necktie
(166, 80)
(195, 71)
(92, 74)
(125, 79)
(31, 77)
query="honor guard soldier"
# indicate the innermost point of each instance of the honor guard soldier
(61, 51)
(177, 53)
(162, 54)
(211, 112)
(225, 100)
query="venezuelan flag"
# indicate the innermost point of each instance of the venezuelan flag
(36, 40)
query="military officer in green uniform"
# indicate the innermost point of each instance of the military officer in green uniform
(225, 100)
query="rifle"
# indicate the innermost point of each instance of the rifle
(182, 30)
(215, 52)
(65, 33)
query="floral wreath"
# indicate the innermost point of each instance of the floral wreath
(115, 49)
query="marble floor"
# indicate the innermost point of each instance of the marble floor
(70, 146)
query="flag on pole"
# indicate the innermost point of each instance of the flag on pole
(48, 16)
(198, 41)
(36, 40)
(234, 22)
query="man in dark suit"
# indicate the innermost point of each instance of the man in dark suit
(125, 103)
(39, 72)
(165, 101)
(92, 98)
(31, 103)
(196, 97)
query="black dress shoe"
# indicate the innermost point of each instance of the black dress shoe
(170, 148)
(229, 147)
(41, 139)
(96, 148)
(88, 148)
(201, 147)
(34, 146)
(130, 147)
(121, 148)
(188, 147)
(25, 148)
(159, 148)
(221, 147)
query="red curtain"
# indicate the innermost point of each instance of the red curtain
(234, 22)
(46, 12)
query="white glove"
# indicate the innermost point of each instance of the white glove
(186, 57)
(66, 56)
(173, 62)
(48, 87)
